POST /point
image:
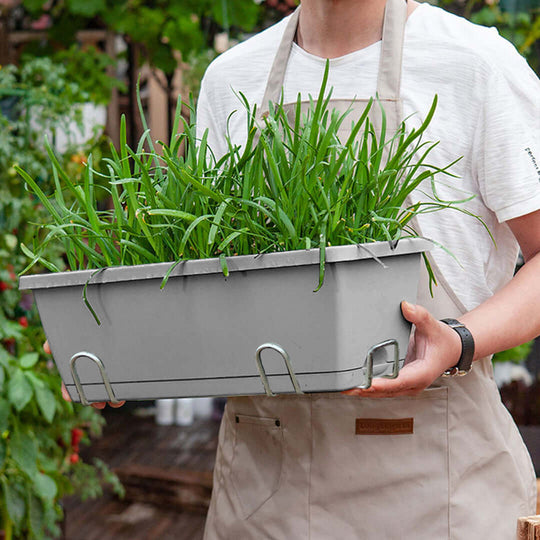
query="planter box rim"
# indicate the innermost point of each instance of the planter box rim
(240, 263)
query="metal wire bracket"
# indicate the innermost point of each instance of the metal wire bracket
(369, 362)
(104, 376)
(286, 359)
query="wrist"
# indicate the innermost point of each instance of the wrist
(465, 348)
(454, 347)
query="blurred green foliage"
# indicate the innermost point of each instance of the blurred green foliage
(516, 355)
(162, 27)
(40, 433)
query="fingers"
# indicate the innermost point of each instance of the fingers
(413, 378)
(65, 393)
(99, 405)
(384, 388)
(103, 404)
(432, 349)
(116, 405)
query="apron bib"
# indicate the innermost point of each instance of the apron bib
(446, 464)
(388, 82)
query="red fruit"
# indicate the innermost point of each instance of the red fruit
(74, 458)
(76, 436)
(23, 321)
(4, 286)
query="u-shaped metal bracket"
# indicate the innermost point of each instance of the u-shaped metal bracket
(104, 376)
(283, 353)
(369, 362)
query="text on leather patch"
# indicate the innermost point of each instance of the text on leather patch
(384, 426)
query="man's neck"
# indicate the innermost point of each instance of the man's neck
(333, 28)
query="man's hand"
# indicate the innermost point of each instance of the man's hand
(65, 394)
(433, 348)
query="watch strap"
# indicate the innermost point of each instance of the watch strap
(464, 364)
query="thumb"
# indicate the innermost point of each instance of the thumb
(416, 314)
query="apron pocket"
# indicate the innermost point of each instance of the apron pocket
(380, 467)
(257, 460)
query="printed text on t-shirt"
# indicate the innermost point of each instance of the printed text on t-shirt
(534, 162)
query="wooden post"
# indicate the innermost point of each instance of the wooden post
(4, 43)
(113, 109)
(158, 107)
(528, 528)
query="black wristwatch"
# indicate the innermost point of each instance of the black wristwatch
(464, 364)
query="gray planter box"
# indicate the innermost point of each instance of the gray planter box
(260, 330)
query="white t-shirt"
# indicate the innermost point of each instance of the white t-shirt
(488, 112)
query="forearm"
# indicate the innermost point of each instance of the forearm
(511, 316)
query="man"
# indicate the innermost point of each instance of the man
(296, 467)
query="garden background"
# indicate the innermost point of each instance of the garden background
(69, 69)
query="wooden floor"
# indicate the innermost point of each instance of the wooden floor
(136, 440)
(108, 519)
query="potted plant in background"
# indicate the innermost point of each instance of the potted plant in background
(294, 188)
(40, 433)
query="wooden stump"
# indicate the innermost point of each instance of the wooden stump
(528, 528)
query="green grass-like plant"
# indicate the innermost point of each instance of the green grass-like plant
(293, 185)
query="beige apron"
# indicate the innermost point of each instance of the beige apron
(294, 468)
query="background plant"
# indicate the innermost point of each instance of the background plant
(40, 434)
(34, 98)
(88, 68)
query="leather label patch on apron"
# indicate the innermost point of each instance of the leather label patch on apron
(384, 426)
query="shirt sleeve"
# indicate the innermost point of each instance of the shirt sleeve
(506, 149)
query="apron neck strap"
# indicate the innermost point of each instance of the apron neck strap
(389, 80)
(276, 78)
